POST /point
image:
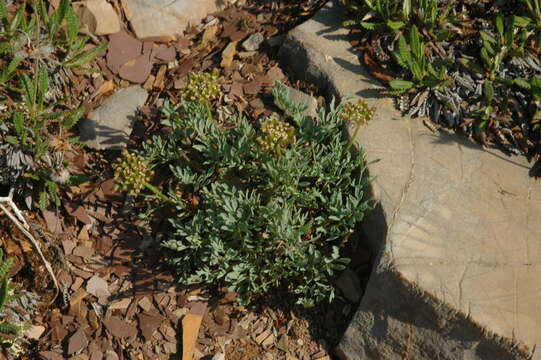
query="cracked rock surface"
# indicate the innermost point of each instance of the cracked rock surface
(457, 227)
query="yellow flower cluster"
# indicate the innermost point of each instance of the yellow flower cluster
(202, 87)
(277, 135)
(131, 172)
(358, 113)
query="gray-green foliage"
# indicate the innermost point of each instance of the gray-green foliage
(261, 220)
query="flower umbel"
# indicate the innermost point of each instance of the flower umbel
(131, 173)
(202, 87)
(277, 135)
(358, 113)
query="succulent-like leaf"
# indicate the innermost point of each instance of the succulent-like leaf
(401, 85)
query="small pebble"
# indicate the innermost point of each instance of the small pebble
(253, 42)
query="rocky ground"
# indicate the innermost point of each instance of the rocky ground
(118, 300)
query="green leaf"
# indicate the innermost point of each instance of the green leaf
(43, 201)
(29, 90)
(406, 8)
(471, 65)
(403, 56)
(522, 83)
(417, 71)
(4, 291)
(487, 38)
(43, 84)
(13, 64)
(4, 13)
(4, 288)
(12, 140)
(56, 20)
(42, 12)
(9, 328)
(486, 58)
(18, 19)
(73, 25)
(401, 85)
(87, 56)
(536, 82)
(395, 25)
(369, 26)
(499, 25)
(488, 91)
(62, 11)
(415, 43)
(522, 21)
(73, 117)
(18, 123)
(5, 47)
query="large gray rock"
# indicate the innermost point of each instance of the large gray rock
(110, 125)
(457, 228)
(167, 18)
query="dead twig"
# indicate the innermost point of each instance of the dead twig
(14, 214)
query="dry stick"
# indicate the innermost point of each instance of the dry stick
(21, 223)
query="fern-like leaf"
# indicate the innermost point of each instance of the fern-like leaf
(9, 328)
(43, 201)
(403, 56)
(73, 117)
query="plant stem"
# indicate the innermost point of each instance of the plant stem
(156, 191)
(209, 112)
(352, 138)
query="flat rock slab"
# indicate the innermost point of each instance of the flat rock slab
(110, 125)
(457, 227)
(167, 18)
